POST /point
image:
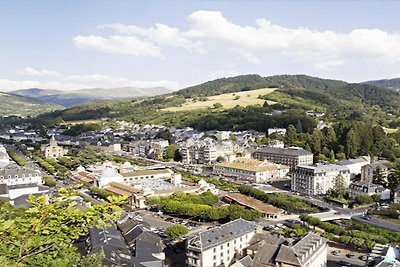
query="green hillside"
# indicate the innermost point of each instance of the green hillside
(24, 106)
(295, 94)
(387, 83)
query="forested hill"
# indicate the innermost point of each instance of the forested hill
(19, 105)
(387, 83)
(225, 85)
(338, 99)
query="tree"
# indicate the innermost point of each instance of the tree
(176, 231)
(339, 186)
(331, 138)
(394, 177)
(170, 151)
(217, 105)
(377, 177)
(332, 157)
(220, 159)
(233, 138)
(299, 126)
(290, 135)
(352, 144)
(345, 239)
(316, 141)
(42, 235)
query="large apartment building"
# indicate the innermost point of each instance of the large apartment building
(317, 179)
(199, 154)
(291, 156)
(219, 245)
(368, 171)
(251, 169)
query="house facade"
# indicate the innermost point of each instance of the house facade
(53, 150)
(219, 245)
(292, 156)
(317, 179)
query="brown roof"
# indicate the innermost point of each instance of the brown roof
(251, 165)
(120, 189)
(254, 203)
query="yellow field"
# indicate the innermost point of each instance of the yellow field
(389, 130)
(82, 121)
(246, 98)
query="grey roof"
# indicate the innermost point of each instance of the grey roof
(266, 254)
(304, 248)
(13, 170)
(380, 164)
(246, 261)
(221, 234)
(353, 161)
(285, 151)
(107, 236)
(323, 168)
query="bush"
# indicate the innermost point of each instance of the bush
(49, 182)
(15, 157)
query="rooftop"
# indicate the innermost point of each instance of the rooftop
(291, 151)
(220, 234)
(254, 203)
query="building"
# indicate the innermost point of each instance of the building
(277, 131)
(4, 158)
(397, 195)
(17, 183)
(355, 165)
(310, 251)
(268, 211)
(364, 188)
(52, 150)
(106, 147)
(292, 156)
(368, 171)
(317, 179)
(199, 154)
(219, 245)
(385, 256)
(252, 170)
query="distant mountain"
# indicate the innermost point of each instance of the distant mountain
(24, 106)
(77, 97)
(386, 83)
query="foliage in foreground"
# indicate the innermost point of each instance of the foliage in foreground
(42, 234)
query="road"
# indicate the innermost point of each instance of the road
(379, 223)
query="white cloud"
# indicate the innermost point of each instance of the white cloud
(29, 71)
(216, 74)
(118, 44)
(75, 82)
(211, 31)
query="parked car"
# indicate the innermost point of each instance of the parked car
(336, 252)
(364, 257)
(350, 255)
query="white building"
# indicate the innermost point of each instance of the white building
(397, 195)
(251, 169)
(317, 179)
(16, 181)
(219, 245)
(277, 131)
(53, 150)
(368, 171)
(355, 165)
(364, 188)
(310, 251)
(4, 158)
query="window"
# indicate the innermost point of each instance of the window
(222, 246)
(215, 250)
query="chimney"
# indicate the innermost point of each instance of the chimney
(121, 168)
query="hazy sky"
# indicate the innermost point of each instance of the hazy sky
(84, 44)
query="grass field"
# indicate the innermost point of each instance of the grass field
(230, 100)
(389, 130)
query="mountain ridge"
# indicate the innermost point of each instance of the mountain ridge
(81, 96)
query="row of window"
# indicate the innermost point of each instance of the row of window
(16, 176)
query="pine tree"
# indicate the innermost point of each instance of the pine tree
(332, 158)
(339, 186)
(316, 141)
(331, 138)
(352, 144)
(377, 177)
(291, 135)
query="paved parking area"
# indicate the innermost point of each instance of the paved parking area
(334, 261)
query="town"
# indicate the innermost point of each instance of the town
(215, 198)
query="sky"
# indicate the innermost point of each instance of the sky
(71, 44)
